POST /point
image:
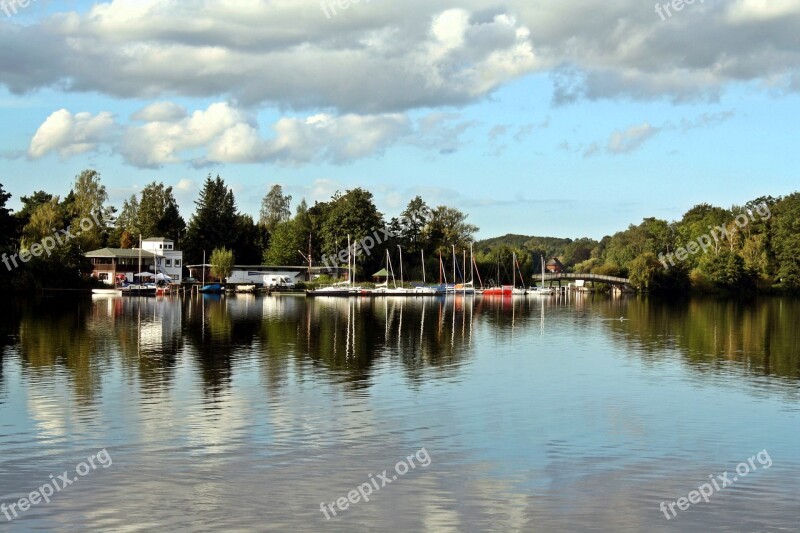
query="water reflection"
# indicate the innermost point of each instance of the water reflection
(538, 413)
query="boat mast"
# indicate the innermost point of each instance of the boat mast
(423, 266)
(471, 269)
(464, 272)
(349, 272)
(454, 266)
(401, 265)
(391, 269)
(513, 272)
(140, 257)
(543, 272)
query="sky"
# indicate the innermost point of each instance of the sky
(565, 118)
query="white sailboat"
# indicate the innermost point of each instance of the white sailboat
(517, 291)
(543, 291)
(424, 290)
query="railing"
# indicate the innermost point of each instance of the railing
(591, 277)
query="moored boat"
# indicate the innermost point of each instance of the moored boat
(212, 288)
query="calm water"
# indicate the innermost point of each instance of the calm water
(245, 413)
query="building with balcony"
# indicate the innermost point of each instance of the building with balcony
(158, 256)
(171, 262)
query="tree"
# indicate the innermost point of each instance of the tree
(221, 263)
(785, 237)
(126, 240)
(726, 271)
(413, 221)
(29, 205)
(275, 208)
(213, 220)
(285, 241)
(158, 214)
(9, 224)
(91, 217)
(127, 223)
(248, 240)
(354, 214)
(448, 226)
(643, 269)
(45, 219)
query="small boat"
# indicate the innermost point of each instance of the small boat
(344, 288)
(245, 288)
(139, 289)
(107, 292)
(503, 290)
(212, 288)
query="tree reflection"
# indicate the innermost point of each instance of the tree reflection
(760, 335)
(54, 332)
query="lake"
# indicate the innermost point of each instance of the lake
(281, 413)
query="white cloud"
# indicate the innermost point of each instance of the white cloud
(223, 133)
(162, 141)
(68, 134)
(369, 59)
(160, 111)
(623, 142)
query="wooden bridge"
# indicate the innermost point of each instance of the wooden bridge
(623, 283)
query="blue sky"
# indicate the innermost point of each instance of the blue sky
(530, 119)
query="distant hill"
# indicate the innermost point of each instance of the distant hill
(549, 245)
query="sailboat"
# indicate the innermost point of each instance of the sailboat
(465, 287)
(383, 289)
(425, 290)
(343, 288)
(517, 291)
(501, 290)
(543, 291)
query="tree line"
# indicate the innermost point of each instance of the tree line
(755, 246)
(764, 253)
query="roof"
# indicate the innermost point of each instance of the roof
(157, 239)
(382, 273)
(554, 261)
(118, 253)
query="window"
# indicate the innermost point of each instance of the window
(160, 246)
(167, 262)
(177, 263)
(103, 276)
(169, 247)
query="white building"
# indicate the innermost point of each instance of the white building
(170, 260)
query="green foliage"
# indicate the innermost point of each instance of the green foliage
(213, 221)
(158, 214)
(726, 271)
(221, 263)
(785, 237)
(285, 241)
(412, 223)
(249, 240)
(87, 206)
(448, 226)
(275, 208)
(9, 224)
(642, 270)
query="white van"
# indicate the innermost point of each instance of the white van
(278, 281)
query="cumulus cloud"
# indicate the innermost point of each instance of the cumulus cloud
(160, 111)
(370, 59)
(164, 134)
(68, 134)
(381, 57)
